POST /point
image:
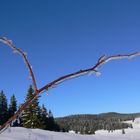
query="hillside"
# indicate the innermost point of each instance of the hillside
(37, 134)
(89, 124)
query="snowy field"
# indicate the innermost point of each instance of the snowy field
(36, 134)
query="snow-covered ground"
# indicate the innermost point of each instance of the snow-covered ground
(37, 134)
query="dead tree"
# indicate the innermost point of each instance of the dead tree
(95, 69)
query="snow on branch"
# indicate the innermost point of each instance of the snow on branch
(95, 70)
(102, 60)
(23, 55)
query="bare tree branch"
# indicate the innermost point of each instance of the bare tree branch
(24, 56)
(18, 113)
(102, 60)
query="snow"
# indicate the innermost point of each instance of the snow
(19, 133)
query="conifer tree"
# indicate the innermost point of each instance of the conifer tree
(48, 120)
(3, 108)
(51, 125)
(12, 109)
(44, 111)
(44, 117)
(31, 117)
(12, 106)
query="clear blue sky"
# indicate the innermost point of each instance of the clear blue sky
(63, 36)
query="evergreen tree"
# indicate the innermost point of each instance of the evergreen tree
(51, 125)
(44, 112)
(12, 110)
(12, 106)
(31, 117)
(48, 120)
(3, 108)
(44, 117)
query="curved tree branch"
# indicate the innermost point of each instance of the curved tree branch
(102, 60)
(24, 56)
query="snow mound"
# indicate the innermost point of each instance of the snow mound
(19, 133)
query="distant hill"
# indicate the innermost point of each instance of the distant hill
(114, 114)
(89, 123)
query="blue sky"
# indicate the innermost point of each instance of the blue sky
(64, 36)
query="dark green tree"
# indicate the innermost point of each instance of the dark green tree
(51, 124)
(3, 108)
(48, 120)
(12, 106)
(44, 117)
(12, 109)
(31, 117)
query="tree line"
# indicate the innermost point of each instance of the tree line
(34, 116)
(89, 124)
